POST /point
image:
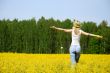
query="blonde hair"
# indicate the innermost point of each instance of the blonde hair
(76, 24)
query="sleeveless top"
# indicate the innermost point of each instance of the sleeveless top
(76, 38)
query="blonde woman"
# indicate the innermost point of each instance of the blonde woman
(75, 44)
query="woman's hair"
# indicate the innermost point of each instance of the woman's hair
(76, 24)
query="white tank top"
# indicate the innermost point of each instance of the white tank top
(76, 38)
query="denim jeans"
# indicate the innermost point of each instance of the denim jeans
(74, 53)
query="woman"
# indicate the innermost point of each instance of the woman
(75, 45)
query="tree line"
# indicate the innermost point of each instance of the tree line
(35, 36)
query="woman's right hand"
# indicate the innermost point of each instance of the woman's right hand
(98, 36)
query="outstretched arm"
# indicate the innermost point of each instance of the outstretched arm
(65, 30)
(89, 34)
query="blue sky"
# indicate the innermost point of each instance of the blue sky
(83, 10)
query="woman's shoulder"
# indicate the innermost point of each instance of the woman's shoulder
(81, 30)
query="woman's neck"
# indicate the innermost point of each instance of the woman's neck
(76, 31)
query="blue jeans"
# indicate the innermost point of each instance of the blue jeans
(74, 53)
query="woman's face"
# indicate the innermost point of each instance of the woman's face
(77, 28)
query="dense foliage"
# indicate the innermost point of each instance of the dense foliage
(31, 36)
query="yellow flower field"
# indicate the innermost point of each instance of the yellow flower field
(53, 63)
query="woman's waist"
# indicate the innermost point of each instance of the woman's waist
(75, 43)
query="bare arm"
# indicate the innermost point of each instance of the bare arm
(65, 30)
(89, 34)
